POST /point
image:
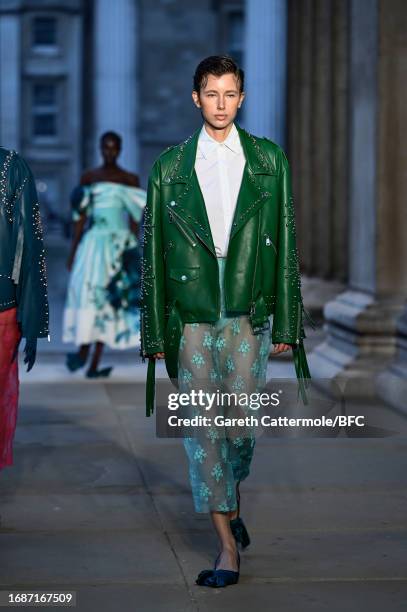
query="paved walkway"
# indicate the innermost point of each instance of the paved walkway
(97, 504)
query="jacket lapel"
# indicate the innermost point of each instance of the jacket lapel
(181, 169)
(190, 204)
(252, 193)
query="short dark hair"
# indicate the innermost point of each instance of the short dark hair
(217, 65)
(113, 136)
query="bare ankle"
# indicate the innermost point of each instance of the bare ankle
(229, 547)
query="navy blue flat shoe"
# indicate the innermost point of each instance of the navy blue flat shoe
(219, 578)
(74, 361)
(103, 373)
(203, 576)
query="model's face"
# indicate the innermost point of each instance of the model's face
(110, 150)
(219, 100)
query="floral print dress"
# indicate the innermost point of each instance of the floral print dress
(227, 356)
(103, 294)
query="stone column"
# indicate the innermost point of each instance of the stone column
(321, 136)
(299, 122)
(317, 125)
(115, 62)
(392, 253)
(265, 68)
(10, 80)
(362, 322)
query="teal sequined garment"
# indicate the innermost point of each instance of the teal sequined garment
(23, 280)
(225, 356)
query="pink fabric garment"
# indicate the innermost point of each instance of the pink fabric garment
(9, 335)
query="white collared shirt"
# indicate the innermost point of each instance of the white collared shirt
(219, 167)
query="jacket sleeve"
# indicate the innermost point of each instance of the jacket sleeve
(152, 271)
(29, 269)
(287, 320)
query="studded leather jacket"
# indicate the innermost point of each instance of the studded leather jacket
(22, 259)
(180, 269)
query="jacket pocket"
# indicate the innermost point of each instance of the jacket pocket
(258, 315)
(184, 274)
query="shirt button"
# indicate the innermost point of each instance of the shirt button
(173, 203)
(183, 277)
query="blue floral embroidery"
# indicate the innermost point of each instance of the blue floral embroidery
(224, 451)
(244, 347)
(200, 454)
(230, 364)
(238, 442)
(235, 327)
(220, 343)
(207, 341)
(205, 491)
(186, 375)
(194, 325)
(212, 434)
(217, 472)
(182, 343)
(197, 359)
(239, 384)
(223, 507)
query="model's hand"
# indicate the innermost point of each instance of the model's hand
(157, 355)
(280, 348)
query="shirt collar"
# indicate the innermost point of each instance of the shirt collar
(207, 144)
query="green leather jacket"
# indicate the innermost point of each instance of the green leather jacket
(179, 282)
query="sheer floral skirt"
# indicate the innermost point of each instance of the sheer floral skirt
(224, 356)
(9, 335)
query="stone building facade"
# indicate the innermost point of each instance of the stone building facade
(347, 120)
(324, 78)
(71, 69)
